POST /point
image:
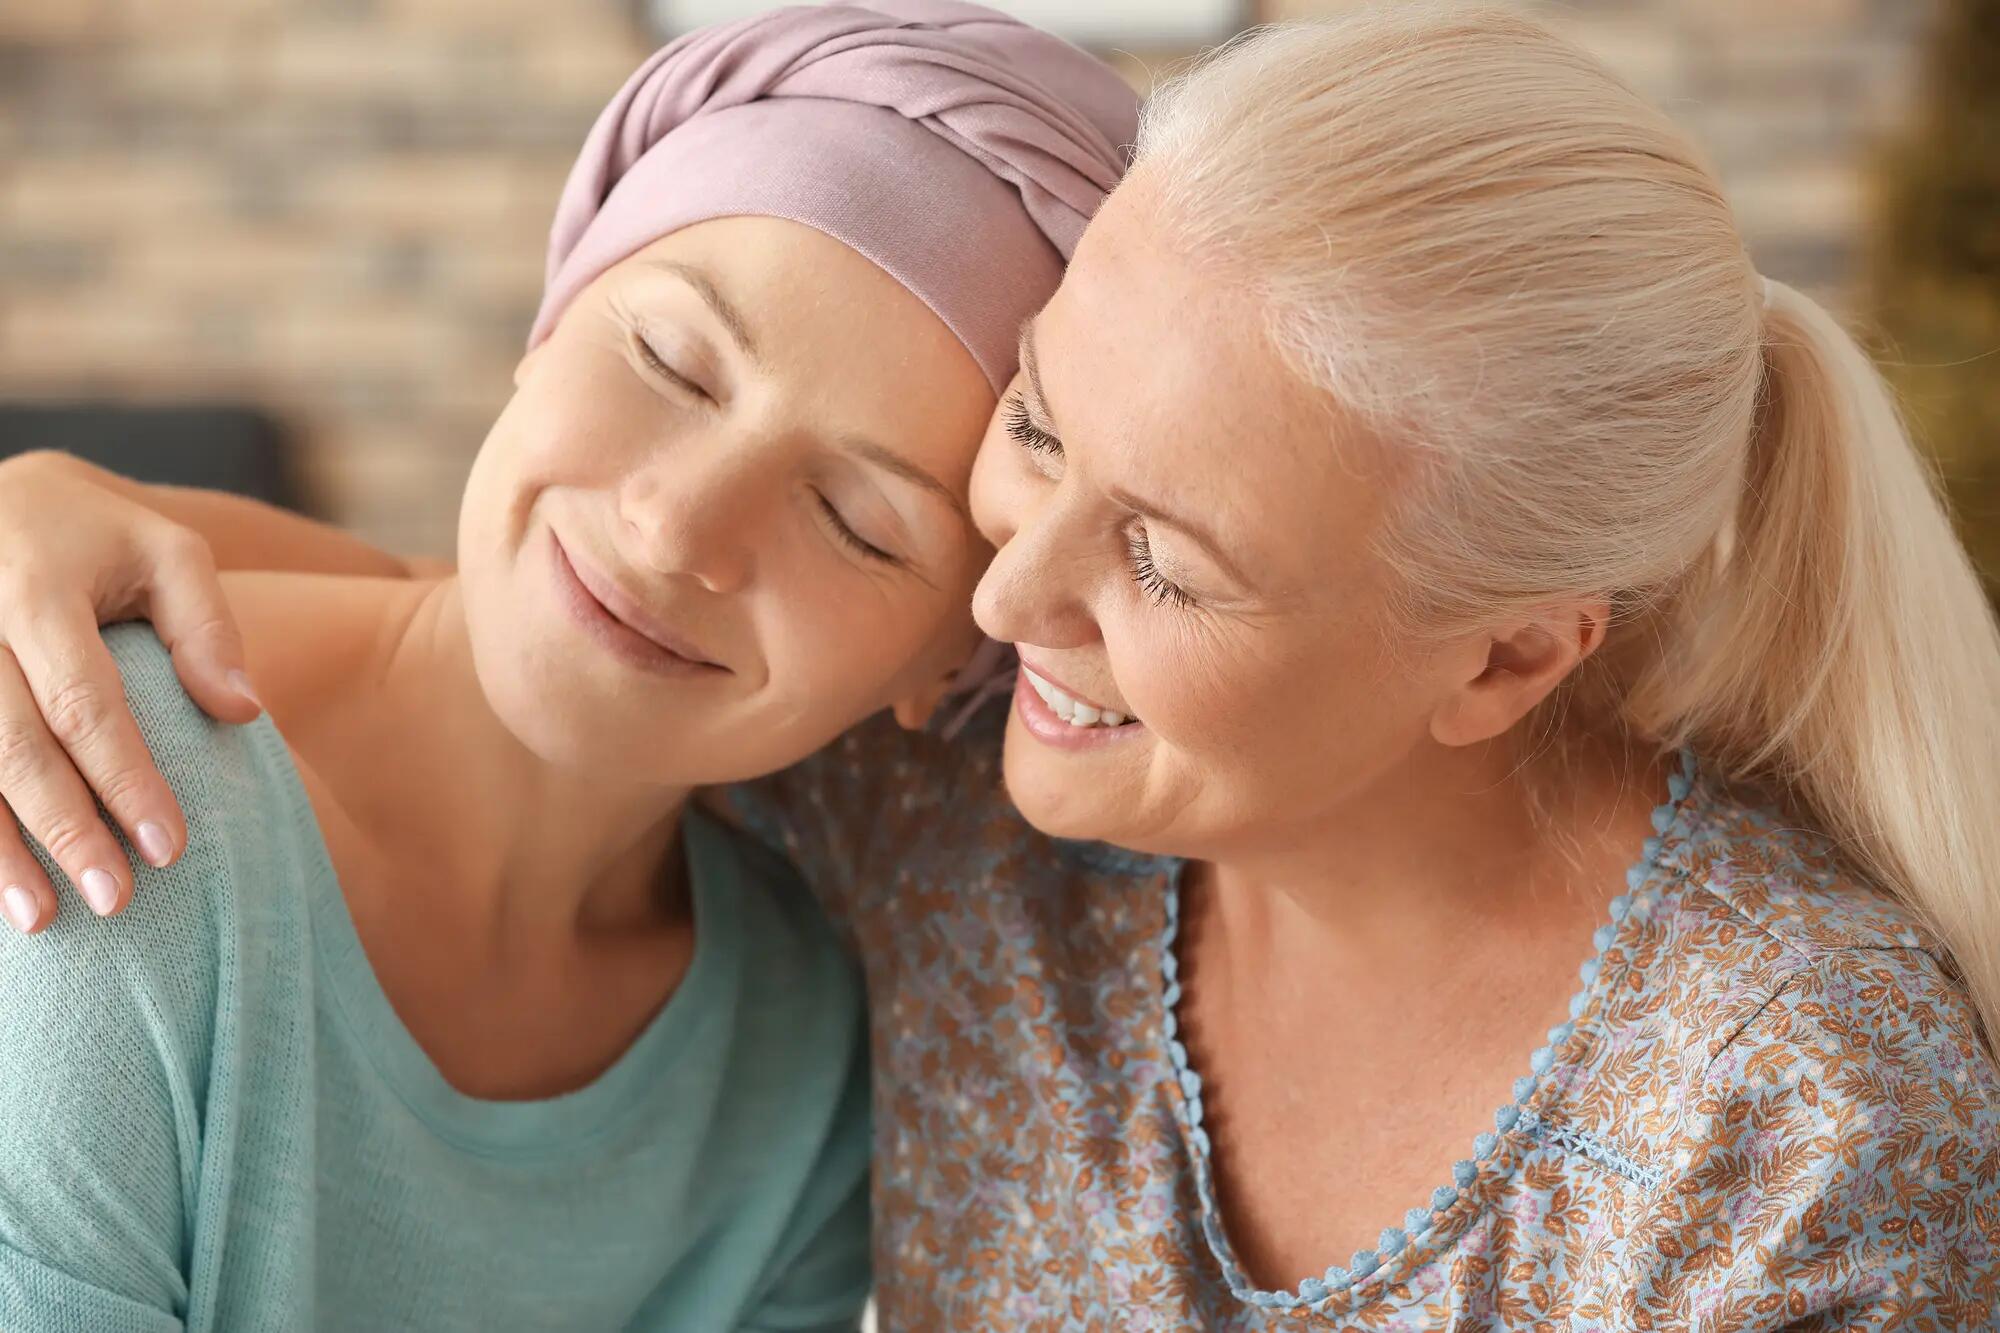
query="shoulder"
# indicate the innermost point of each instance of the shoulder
(164, 966)
(235, 785)
(1832, 1131)
(1787, 880)
(1840, 1155)
(184, 741)
(116, 1030)
(1743, 906)
(206, 764)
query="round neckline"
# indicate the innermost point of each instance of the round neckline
(1376, 1268)
(538, 1126)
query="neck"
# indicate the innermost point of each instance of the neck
(430, 776)
(1455, 841)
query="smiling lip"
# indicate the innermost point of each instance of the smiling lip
(604, 612)
(1048, 728)
(1066, 688)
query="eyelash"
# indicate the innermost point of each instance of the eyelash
(661, 368)
(855, 541)
(1138, 552)
(1024, 430)
(1163, 590)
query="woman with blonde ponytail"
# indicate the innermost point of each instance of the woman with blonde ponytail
(1481, 646)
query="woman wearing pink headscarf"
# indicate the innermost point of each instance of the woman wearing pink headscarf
(443, 1010)
(1447, 582)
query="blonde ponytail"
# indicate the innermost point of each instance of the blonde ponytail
(1471, 234)
(1845, 647)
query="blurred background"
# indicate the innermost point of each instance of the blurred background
(293, 246)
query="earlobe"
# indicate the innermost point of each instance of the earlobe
(914, 710)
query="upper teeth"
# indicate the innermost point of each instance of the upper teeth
(1073, 711)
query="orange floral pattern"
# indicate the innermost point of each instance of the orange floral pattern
(1768, 1108)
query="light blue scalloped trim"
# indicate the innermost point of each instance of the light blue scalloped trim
(1418, 1223)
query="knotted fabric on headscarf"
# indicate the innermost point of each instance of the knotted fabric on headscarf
(959, 150)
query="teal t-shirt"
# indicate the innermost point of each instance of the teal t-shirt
(211, 1117)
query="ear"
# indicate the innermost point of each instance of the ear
(965, 650)
(1512, 669)
(913, 711)
(527, 362)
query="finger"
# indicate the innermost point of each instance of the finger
(74, 678)
(26, 899)
(41, 782)
(193, 618)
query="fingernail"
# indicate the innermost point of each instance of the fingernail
(100, 891)
(153, 841)
(21, 908)
(240, 682)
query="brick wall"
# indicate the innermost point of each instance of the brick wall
(1789, 97)
(333, 208)
(336, 208)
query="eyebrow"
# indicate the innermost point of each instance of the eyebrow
(891, 461)
(1198, 532)
(718, 304)
(1028, 363)
(1180, 523)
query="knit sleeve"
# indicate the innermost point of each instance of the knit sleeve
(1841, 1169)
(103, 1071)
(118, 1083)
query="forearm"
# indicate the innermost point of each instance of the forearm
(249, 534)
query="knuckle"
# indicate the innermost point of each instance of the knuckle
(77, 712)
(121, 788)
(185, 551)
(65, 837)
(20, 745)
(216, 628)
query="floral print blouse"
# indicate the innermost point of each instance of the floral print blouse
(1766, 1107)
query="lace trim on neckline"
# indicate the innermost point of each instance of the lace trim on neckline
(1419, 1223)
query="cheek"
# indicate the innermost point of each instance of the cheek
(1273, 706)
(839, 647)
(1206, 691)
(996, 494)
(580, 417)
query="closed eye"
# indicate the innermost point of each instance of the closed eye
(853, 540)
(1162, 590)
(1021, 425)
(657, 364)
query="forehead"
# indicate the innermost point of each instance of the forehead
(842, 339)
(1163, 380)
(793, 276)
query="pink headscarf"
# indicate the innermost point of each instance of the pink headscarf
(959, 150)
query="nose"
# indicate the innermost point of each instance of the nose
(1036, 589)
(694, 512)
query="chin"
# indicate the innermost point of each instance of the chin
(1057, 796)
(546, 714)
